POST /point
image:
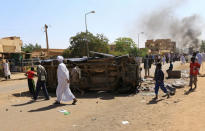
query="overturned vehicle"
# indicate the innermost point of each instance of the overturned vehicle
(102, 72)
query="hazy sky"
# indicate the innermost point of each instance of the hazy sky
(113, 18)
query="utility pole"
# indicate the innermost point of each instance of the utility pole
(46, 27)
(87, 31)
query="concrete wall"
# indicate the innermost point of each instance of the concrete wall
(10, 44)
(161, 46)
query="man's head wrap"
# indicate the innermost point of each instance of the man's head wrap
(60, 59)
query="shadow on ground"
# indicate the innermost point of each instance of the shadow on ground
(53, 106)
(154, 101)
(27, 94)
(27, 103)
(189, 91)
(103, 95)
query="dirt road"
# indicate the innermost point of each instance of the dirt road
(105, 112)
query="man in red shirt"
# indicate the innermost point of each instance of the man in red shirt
(194, 71)
(31, 84)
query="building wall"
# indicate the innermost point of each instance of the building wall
(10, 44)
(112, 47)
(160, 46)
(50, 53)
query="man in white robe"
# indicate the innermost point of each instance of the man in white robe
(7, 72)
(63, 91)
(183, 60)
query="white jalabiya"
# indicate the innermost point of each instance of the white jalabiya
(164, 59)
(199, 57)
(183, 60)
(6, 69)
(63, 91)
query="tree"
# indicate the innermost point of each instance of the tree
(202, 48)
(143, 52)
(66, 53)
(98, 43)
(28, 48)
(134, 51)
(124, 44)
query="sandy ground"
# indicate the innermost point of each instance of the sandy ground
(103, 111)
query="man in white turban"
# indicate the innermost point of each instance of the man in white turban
(63, 91)
(7, 70)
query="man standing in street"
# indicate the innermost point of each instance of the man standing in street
(63, 91)
(41, 82)
(199, 59)
(146, 66)
(7, 72)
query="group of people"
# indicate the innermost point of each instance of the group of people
(149, 60)
(195, 64)
(158, 75)
(63, 91)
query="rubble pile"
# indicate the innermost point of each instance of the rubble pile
(171, 85)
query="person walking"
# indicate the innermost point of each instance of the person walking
(183, 60)
(7, 72)
(159, 81)
(194, 71)
(63, 91)
(41, 82)
(31, 84)
(146, 66)
(199, 59)
(163, 59)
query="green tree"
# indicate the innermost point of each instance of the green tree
(98, 43)
(124, 44)
(134, 51)
(202, 48)
(28, 48)
(66, 53)
(143, 52)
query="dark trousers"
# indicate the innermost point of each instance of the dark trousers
(41, 85)
(31, 86)
(8, 77)
(161, 85)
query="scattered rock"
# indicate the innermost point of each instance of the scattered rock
(93, 119)
(176, 101)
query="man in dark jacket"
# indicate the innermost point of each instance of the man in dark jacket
(159, 78)
(147, 65)
(41, 82)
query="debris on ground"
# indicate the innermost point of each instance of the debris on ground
(125, 122)
(174, 74)
(171, 89)
(185, 74)
(179, 83)
(65, 112)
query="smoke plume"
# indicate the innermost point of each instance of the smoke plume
(163, 23)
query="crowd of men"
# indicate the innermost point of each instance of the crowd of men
(195, 64)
